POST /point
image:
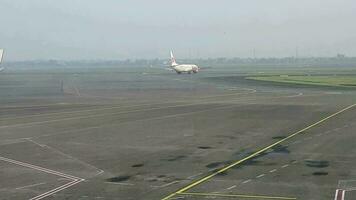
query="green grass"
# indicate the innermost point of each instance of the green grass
(337, 80)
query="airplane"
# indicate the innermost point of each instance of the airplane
(179, 68)
(1, 54)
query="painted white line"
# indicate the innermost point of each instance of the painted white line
(30, 140)
(64, 179)
(296, 95)
(74, 180)
(232, 187)
(142, 120)
(339, 194)
(294, 162)
(284, 166)
(165, 185)
(58, 189)
(246, 181)
(29, 186)
(309, 138)
(95, 115)
(273, 170)
(260, 176)
(49, 171)
(126, 184)
(182, 103)
(198, 102)
(79, 111)
(195, 175)
(99, 171)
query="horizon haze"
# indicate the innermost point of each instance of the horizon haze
(72, 30)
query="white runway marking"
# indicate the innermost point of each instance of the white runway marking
(246, 181)
(336, 129)
(99, 171)
(308, 138)
(195, 175)
(296, 95)
(181, 102)
(126, 184)
(58, 189)
(74, 180)
(30, 140)
(95, 115)
(29, 186)
(198, 102)
(273, 170)
(140, 120)
(296, 142)
(260, 176)
(284, 166)
(339, 194)
(165, 185)
(147, 119)
(232, 187)
(294, 162)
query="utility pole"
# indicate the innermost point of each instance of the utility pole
(296, 54)
(62, 87)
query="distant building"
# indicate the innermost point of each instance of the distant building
(339, 55)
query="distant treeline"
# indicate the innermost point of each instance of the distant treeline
(292, 61)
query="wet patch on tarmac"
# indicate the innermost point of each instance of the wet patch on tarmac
(218, 165)
(278, 137)
(226, 136)
(317, 163)
(215, 164)
(205, 147)
(119, 178)
(137, 165)
(175, 158)
(224, 173)
(320, 173)
(280, 149)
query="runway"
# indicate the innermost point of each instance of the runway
(164, 136)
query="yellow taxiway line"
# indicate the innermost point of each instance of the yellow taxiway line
(206, 178)
(237, 195)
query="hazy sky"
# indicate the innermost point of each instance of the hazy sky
(120, 29)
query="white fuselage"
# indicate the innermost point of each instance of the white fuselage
(180, 68)
(187, 68)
